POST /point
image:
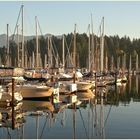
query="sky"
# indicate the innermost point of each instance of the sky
(58, 17)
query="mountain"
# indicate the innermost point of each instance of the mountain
(3, 38)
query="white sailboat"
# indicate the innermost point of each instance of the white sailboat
(101, 80)
(81, 85)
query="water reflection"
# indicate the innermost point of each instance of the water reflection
(106, 112)
(11, 120)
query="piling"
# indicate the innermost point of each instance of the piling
(95, 84)
(74, 77)
(12, 103)
(13, 90)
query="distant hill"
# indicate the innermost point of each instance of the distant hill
(3, 38)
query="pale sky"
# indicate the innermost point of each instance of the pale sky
(59, 17)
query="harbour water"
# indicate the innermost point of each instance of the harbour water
(114, 116)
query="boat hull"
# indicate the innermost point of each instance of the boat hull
(33, 92)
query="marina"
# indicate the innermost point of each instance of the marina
(69, 86)
(93, 117)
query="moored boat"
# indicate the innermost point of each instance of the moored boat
(35, 91)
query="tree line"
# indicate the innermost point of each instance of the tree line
(114, 47)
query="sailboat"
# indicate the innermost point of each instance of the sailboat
(35, 90)
(101, 81)
(81, 85)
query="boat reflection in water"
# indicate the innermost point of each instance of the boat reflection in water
(106, 112)
(32, 106)
(36, 111)
(44, 116)
(85, 95)
(11, 120)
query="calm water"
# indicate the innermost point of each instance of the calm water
(114, 116)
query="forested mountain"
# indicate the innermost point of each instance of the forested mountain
(114, 47)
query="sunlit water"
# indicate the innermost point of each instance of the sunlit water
(113, 117)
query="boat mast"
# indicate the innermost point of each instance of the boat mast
(92, 45)
(50, 52)
(137, 84)
(57, 63)
(18, 61)
(124, 63)
(33, 59)
(63, 52)
(137, 64)
(89, 51)
(74, 52)
(48, 44)
(102, 45)
(118, 63)
(112, 63)
(8, 50)
(106, 61)
(36, 25)
(22, 36)
(130, 64)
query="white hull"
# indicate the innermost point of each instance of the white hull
(34, 91)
